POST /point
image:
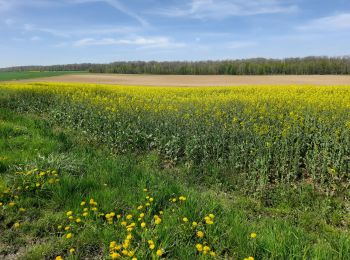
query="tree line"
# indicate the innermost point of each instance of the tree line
(257, 66)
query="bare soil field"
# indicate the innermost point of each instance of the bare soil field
(200, 80)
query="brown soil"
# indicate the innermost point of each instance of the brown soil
(185, 80)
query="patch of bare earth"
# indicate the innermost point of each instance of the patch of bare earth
(200, 80)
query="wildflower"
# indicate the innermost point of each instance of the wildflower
(94, 209)
(142, 215)
(125, 252)
(182, 198)
(11, 204)
(200, 234)
(212, 253)
(59, 227)
(185, 219)
(131, 253)
(21, 209)
(78, 220)
(159, 252)
(151, 199)
(1, 204)
(161, 212)
(140, 207)
(174, 200)
(69, 213)
(158, 221)
(253, 235)
(194, 224)
(85, 209)
(85, 214)
(115, 255)
(59, 258)
(129, 216)
(124, 223)
(16, 225)
(82, 203)
(67, 228)
(69, 235)
(112, 244)
(143, 224)
(145, 190)
(72, 250)
(206, 249)
(199, 247)
(129, 236)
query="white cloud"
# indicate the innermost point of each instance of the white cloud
(35, 38)
(9, 21)
(329, 23)
(219, 9)
(117, 5)
(151, 42)
(69, 33)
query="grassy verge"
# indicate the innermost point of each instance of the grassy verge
(291, 222)
(7, 76)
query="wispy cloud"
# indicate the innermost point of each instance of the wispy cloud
(329, 23)
(117, 5)
(150, 42)
(219, 9)
(69, 33)
(7, 5)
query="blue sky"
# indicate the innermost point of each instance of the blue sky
(75, 31)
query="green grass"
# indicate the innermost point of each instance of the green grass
(7, 76)
(294, 221)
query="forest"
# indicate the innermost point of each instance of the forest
(257, 66)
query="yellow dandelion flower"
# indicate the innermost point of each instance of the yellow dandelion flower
(199, 247)
(83, 203)
(69, 213)
(143, 224)
(200, 234)
(160, 252)
(253, 235)
(72, 250)
(185, 219)
(194, 224)
(69, 235)
(59, 258)
(16, 225)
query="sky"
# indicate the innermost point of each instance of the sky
(45, 32)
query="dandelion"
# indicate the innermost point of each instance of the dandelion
(58, 258)
(253, 235)
(16, 225)
(143, 224)
(194, 224)
(145, 190)
(72, 250)
(199, 247)
(85, 214)
(212, 253)
(182, 198)
(69, 213)
(160, 252)
(115, 255)
(67, 228)
(82, 203)
(21, 210)
(200, 234)
(69, 235)
(185, 219)
(129, 216)
(78, 220)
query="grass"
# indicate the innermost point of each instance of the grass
(292, 221)
(9, 76)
